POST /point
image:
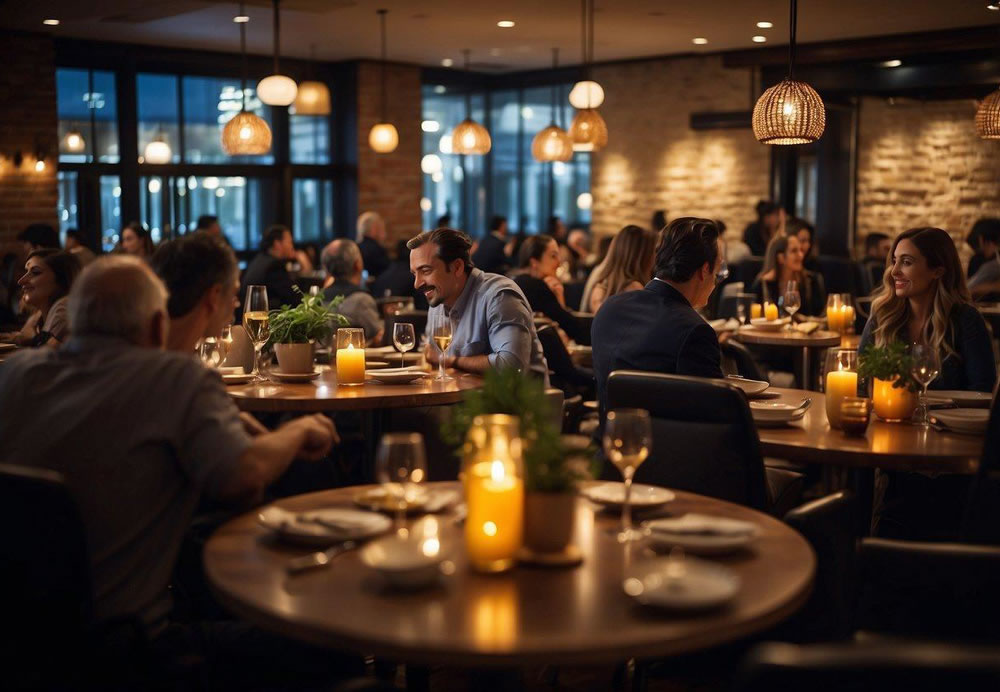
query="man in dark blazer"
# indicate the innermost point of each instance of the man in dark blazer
(658, 329)
(269, 268)
(490, 255)
(370, 239)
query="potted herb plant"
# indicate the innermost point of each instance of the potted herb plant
(894, 393)
(553, 465)
(295, 329)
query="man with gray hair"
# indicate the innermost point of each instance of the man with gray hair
(139, 433)
(371, 239)
(342, 260)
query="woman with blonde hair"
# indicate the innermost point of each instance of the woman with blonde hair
(629, 265)
(924, 300)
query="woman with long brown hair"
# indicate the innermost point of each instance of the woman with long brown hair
(629, 266)
(783, 263)
(924, 300)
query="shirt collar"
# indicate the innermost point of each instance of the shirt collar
(471, 288)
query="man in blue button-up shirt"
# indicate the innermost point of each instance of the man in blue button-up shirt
(491, 321)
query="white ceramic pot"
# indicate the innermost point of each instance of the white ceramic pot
(295, 358)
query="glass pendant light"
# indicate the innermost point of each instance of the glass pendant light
(157, 151)
(587, 93)
(74, 142)
(245, 133)
(469, 137)
(588, 131)
(312, 97)
(277, 89)
(383, 137)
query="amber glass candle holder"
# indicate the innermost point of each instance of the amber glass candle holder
(855, 414)
(350, 356)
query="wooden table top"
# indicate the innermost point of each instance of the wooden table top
(818, 339)
(529, 616)
(323, 394)
(890, 446)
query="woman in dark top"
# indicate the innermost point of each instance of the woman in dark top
(805, 233)
(924, 299)
(48, 276)
(783, 263)
(539, 261)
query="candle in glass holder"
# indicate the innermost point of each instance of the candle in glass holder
(350, 356)
(770, 311)
(855, 414)
(892, 404)
(841, 382)
(756, 311)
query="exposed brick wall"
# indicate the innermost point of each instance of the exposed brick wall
(654, 160)
(390, 183)
(28, 123)
(921, 164)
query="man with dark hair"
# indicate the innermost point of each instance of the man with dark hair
(490, 255)
(209, 224)
(342, 261)
(269, 268)
(38, 236)
(202, 278)
(492, 325)
(76, 246)
(987, 276)
(658, 328)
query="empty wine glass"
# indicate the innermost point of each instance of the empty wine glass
(208, 351)
(926, 366)
(627, 441)
(255, 321)
(442, 337)
(400, 466)
(224, 343)
(791, 301)
(403, 338)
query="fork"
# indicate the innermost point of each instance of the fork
(318, 559)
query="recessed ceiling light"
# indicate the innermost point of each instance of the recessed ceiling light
(891, 63)
(764, 25)
(505, 24)
(699, 41)
(50, 22)
(759, 39)
(241, 19)
(447, 62)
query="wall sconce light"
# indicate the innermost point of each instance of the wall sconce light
(40, 165)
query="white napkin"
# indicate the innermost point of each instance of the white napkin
(703, 524)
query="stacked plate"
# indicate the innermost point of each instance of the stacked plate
(702, 534)
(425, 500)
(766, 325)
(396, 375)
(971, 421)
(612, 495)
(777, 413)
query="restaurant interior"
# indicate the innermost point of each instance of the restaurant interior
(582, 345)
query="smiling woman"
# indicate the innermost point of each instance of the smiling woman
(48, 276)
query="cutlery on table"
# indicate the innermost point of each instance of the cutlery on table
(318, 559)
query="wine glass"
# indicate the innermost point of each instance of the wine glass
(400, 466)
(224, 343)
(442, 337)
(627, 440)
(403, 338)
(255, 321)
(741, 312)
(208, 351)
(791, 301)
(926, 366)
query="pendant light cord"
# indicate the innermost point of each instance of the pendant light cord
(468, 91)
(277, 36)
(555, 109)
(590, 35)
(792, 21)
(583, 37)
(381, 14)
(243, 53)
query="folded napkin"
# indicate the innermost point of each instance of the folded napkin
(703, 525)
(807, 327)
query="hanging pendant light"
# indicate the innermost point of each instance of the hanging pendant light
(245, 133)
(988, 117)
(74, 142)
(587, 93)
(383, 137)
(312, 97)
(588, 131)
(790, 112)
(469, 137)
(552, 143)
(277, 89)
(157, 151)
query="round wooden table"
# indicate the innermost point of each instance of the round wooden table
(323, 394)
(530, 616)
(792, 339)
(889, 446)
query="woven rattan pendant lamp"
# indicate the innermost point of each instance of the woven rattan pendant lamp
(245, 133)
(553, 143)
(313, 97)
(790, 112)
(383, 137)
(588, 131)
(277, 89)
(469, 137)
(988, 117)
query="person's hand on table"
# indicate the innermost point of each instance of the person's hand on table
(320, 436)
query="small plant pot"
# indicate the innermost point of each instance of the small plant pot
(295, 358)
(893, 404)
(548, 521)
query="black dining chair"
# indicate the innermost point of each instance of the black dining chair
(564, 373)
(704, 440)
(738, 357)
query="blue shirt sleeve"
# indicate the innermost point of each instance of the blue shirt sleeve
(510, 325)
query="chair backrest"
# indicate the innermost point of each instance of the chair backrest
(840, 274)
(45, 585)
(241, 350)
(704, 438)
(418, 318)
(555, 398)
(565, 375)
(739, 355)
(729, 299)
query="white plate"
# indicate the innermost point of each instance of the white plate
(612, 495)
(750, 387)
(425, 500)
(396, 375)
(962, 398)
(293, 376)
(965, 420)
(769, 325)
(405, 562)
(702, 535)
(237, 379)
(688, 584)
(323, 526)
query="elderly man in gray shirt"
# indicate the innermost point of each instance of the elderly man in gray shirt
(492, 325)
(342, 260)
(139, 434)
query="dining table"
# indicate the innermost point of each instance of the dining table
(529, 616)
(792, 338)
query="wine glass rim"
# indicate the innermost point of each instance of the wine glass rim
(402, 437)
(640, 412)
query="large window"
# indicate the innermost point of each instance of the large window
(159, 112)
(209, 103)
(68, 204)
(310, 139)
(88, 109)
(312, 201)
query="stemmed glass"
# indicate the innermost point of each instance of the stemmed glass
(442, 337)
(255, 321)
(791, 301)
(926, 366)
(403, 338)
(224, 342)
(400, 466)
(627, 440)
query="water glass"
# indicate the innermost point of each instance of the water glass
(400, 466)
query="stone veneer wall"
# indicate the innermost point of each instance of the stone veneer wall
(921, 164)
(391, 183)
(654, 160)
(28, 124)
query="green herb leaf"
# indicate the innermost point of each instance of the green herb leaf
(892, 362)
(310, 320)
